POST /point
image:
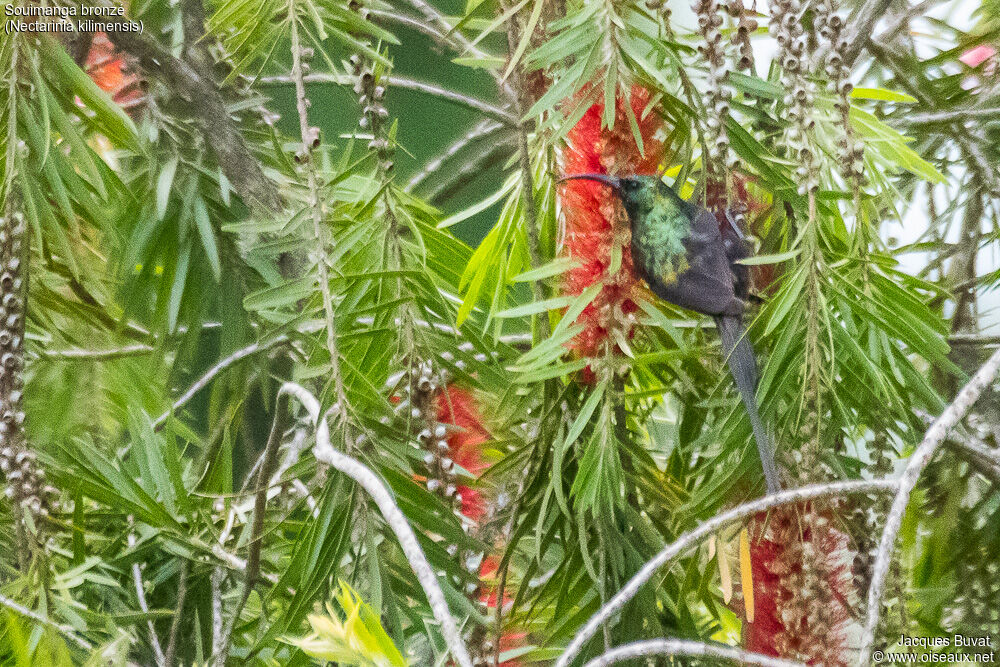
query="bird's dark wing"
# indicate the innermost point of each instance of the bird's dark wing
(706, 285)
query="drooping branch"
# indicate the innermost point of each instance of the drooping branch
(393, 515)
(672, 647)
(919, 460)
(693, 537)
(222, 365)
(467, 101)
(459, 41)
(480, 131)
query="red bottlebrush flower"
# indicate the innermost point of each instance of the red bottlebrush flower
(594, 222)
(490, 581)
(108, 68)
(802, 588)
(457, 406)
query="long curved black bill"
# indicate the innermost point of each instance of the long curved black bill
(611, 181)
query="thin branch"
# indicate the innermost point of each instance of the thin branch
(414, 23)
(310, 137)
(38, 618)
(203, 102)
(80, 354)
(524, 160)
(935, 435)
(707, 528)
(203, 381)
(977, 453)
(218, 624)
(481, 130)
(252, 571)
(978, 162)
(973, 339)
(901, 21)
(458, 179)
(140, 593)
(645, 649)
(234, 562)
(485, 108)
(394, 517)
(952, 116)
(175, 624)
(459, 41)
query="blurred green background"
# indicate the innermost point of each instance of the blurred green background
(428, 125)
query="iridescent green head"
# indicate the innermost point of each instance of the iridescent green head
(641, 195)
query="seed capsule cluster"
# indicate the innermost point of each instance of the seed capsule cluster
(24, 478)
(976, 602)
(830, 27)
(717, 96)
(745, 26)
(419, 408)
(786, 28)
(371, 95)
(311, 135)
(660, 7)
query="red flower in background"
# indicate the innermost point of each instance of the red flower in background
(802, 588)
(594, 224)
(457, 406)
(109, 69)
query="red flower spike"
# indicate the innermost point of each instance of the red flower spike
(594, 223)
(802, 587)
(457, 406)
(108, 68)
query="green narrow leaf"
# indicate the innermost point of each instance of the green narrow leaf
(164, 183)
(207, 235)
(536, 307)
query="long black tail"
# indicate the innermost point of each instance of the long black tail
(743, 366)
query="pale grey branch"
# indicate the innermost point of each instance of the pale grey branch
(140, 593)
(38, 618)
(210, 374)
(935, 435)
(394, 517)
(485, 108)
(691, 538)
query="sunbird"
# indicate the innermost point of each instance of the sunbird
(684, 257)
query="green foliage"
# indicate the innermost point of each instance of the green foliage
(149, 274)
